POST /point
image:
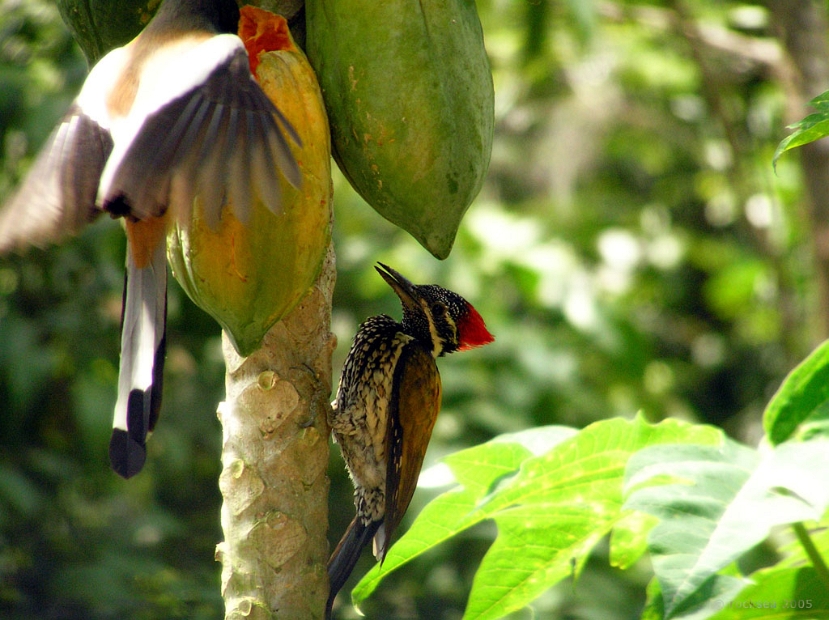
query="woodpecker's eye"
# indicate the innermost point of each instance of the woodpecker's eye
(438, 310)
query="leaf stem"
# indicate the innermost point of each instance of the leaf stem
(814, 555)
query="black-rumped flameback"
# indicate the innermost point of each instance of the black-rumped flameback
(386, 406)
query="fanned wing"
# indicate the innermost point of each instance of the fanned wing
(415, 404)
(143, 337)
(222, 138)
(57, 197)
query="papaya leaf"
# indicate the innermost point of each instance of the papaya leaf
(538, 440)
(476, 470)
(816, 427)
(794, 553)
(717, 592)
(629, 539)
(653, 609)
(809, 129)
(790, 593)
(558, 507)
(551, 508)
(715, 504)
(804, 395)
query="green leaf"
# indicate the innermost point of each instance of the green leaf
(795, 554)
(537, 440)
(629, 538)
(814, 127)
(476, 469)
(719, 503)
(550, 508)
(809, 129)
(821, 102)
(715, 593)
(779, 593)
(804, 394)
(558, 507)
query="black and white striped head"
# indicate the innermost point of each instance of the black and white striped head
(444, 321)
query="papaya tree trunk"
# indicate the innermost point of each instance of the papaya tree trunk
(274, 459)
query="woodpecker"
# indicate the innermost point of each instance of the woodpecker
(386, 406)
(173, 115)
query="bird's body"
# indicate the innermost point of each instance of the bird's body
(172, 117)
(367, 411)
(362, 405)
(386, 407)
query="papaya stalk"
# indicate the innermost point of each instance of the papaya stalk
(274, 458)
(275, 431)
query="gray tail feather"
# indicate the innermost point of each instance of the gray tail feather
(143, 328)
(345, 556)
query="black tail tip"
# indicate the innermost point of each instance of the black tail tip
(345, 557)
(126, 456)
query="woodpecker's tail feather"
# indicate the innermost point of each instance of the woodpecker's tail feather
(143, 328)
(345, 556)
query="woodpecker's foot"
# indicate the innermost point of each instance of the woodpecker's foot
(312, 418)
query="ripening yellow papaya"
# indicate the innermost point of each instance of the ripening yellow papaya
(409, 95)
(248, 276)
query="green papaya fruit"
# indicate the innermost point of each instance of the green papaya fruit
(102, 25)
(409, 96)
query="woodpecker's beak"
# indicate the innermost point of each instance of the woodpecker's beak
(405, 290)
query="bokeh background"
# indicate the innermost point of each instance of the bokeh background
(632, 249)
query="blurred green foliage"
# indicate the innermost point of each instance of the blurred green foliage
(632, 250)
